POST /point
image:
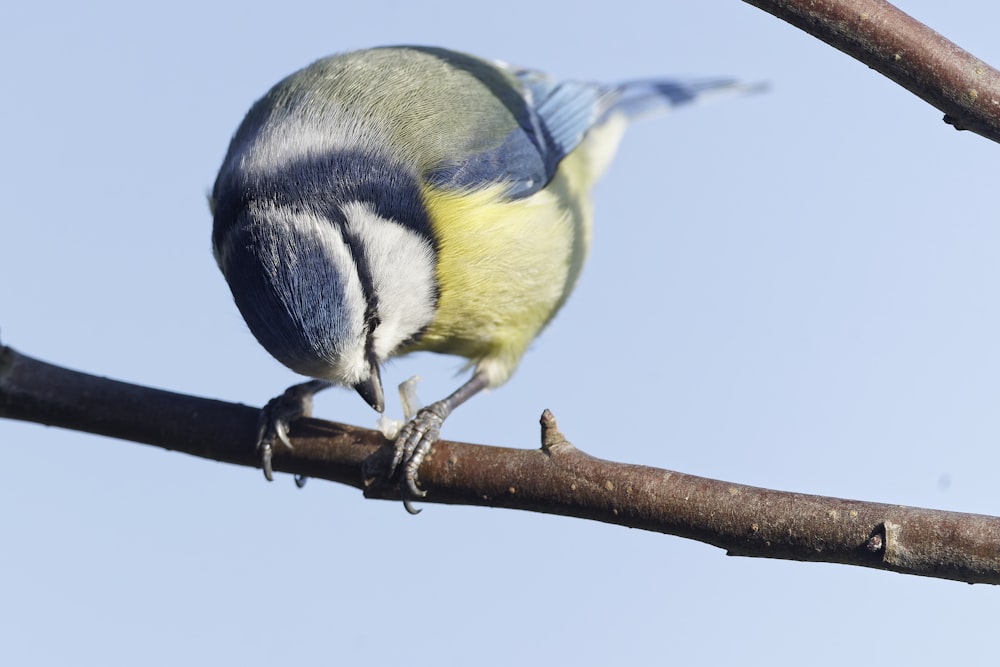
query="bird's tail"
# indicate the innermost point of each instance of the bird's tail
(643, 98)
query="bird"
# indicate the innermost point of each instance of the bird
(414, 198)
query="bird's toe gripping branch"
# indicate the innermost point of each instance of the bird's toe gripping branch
(415, 441)
(280, 411)
(421, 432)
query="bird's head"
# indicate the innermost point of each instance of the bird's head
(330, 288)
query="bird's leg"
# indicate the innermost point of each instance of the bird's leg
(280, 411)
(422, 431)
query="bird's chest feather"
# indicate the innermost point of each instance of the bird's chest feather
(504, 268)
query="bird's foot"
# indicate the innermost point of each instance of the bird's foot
(413, 444)
(280, 411)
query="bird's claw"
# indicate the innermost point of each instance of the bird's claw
(264, 453)
(270, 428)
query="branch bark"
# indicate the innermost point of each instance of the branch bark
(893, 43)
(555, 479)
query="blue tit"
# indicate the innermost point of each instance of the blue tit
(397, 199)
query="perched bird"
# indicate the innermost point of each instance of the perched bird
(410, 198)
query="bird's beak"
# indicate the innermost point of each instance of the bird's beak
(371, 390)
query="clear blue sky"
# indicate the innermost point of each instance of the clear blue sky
(797, 290)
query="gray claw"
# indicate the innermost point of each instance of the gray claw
(264, 450)
(410, 470)
(281, 431)
(273, 426)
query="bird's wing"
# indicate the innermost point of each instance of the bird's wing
(550, 119)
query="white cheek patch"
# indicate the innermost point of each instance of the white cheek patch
(401, 263)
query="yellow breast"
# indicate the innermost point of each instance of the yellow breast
(506, 266)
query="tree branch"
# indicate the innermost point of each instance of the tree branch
(891, 42)
(555, 479)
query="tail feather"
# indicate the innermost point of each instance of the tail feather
(642, 98)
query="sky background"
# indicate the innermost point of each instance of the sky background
(796, 290)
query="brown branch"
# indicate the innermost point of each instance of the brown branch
(891, 42)
(556, 479)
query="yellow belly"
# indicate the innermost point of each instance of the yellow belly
(505, 267)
